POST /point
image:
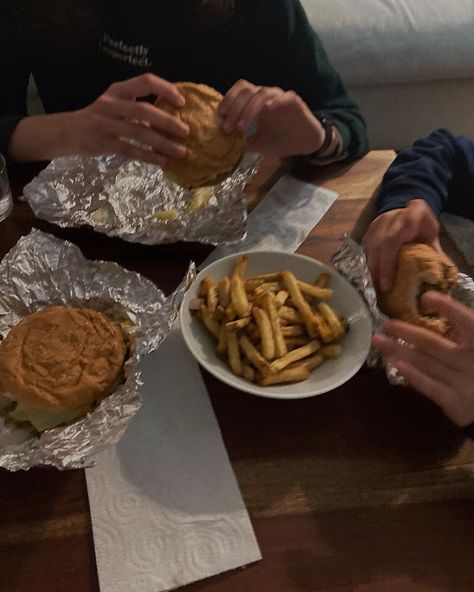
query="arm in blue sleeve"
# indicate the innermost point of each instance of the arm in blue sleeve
(439, 169)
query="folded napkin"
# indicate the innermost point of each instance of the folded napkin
(165, 505)
(282, 220)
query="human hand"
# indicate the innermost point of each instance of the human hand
(442, 369)
(285, 125)
(390, 230)
(106, 125)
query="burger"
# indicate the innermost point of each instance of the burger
(212, 155)
(57, 364)
(420, 268)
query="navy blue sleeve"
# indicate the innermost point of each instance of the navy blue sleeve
(439, 169)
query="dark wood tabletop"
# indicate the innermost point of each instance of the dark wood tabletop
(364, 489)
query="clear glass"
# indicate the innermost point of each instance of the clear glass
(6, 201)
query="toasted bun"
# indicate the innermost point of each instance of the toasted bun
(419, 269)
(212, 155)
(62, 359)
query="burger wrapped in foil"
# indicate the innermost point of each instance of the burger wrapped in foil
(42, 271)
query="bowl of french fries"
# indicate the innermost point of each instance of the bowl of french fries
(276, 324)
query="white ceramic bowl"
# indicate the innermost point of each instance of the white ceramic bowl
(332, 373)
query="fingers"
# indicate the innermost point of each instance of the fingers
(393, 350)
(140, 111)
(118, 128)
(428, 342)
(458, 314)
(423, 383)
(114, 146)
(147, 84)
(232, 111)
(255, 106)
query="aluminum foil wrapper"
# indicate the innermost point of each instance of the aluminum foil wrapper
(134, 201)
(42, 271)
(350, 261)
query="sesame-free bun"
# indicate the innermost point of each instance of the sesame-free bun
(212, 155)
(420, 268)
(62, 359)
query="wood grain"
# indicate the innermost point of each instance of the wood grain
(365, 489)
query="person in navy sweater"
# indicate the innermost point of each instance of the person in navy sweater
(436, 174)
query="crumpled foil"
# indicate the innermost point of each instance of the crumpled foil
(126, 198)
(42, 271)
(351, 262)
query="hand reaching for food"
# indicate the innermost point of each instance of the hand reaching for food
(389, 231)
(285, 126)
(440, 368)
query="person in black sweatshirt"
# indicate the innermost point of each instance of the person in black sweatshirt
(436, 174)
(92, 60)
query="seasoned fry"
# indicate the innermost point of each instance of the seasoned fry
(288, 375)
(248, 372)
(241, 266)
(295, 355)
(294, 342)
(332, 319)
(222, 343)
(290, 314)
(292, 331)
(331, 352)
(271, 310)
(254, 356)
(293, 288)
(239, 296)
(224, 291)
(233, 352)
(210, 322)
(238, 324)
(322, 280)
(321, 293)
(325, 333)
(265, 328)
(281, 298)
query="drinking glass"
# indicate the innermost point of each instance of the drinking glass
(6, 201)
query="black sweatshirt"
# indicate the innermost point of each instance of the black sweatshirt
(438, 169)
(76, 48)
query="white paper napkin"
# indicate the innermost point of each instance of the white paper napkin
(283, 219)
(165, 505)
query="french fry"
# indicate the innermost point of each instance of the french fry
(295, 355)
(196, 304)
(230, 313)
(320, 293)
(267, 287)
(233, 352)
(252, 284)
(332, 319)
(325, 333)
(219, 313)
(281, 298)
(252, 331)
(206, 283)
(238, 324)
(294, 342)
(210, 322)
(271, 310)
(293, 288)
(331, 352)
(292, 331)
(239, 296)
(222, 343)
(241, 266)
(265, 277)
(254, 356)
(314, 361)
(248, 372)
(290, 314)
(288, 375)
(224, 291)
(212, 297)
(322, 280)
(266, 333)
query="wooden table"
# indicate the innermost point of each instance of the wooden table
(365, 489)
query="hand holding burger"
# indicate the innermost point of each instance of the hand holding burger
(440, 368)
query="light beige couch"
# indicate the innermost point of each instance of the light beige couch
(408, 63)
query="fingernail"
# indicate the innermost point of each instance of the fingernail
(182, 101)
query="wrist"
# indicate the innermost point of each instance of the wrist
(40, 137)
